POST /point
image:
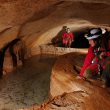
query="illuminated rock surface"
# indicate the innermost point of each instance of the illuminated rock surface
(36, 22)
(69, 93)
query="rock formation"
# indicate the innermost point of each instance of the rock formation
(36, 23)
(69, 93)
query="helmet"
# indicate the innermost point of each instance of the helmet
(95, 33)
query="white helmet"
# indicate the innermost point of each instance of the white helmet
(95, 33)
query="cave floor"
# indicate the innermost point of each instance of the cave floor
(28, 85)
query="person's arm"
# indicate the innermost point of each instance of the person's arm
(64, 36)
(89, 57)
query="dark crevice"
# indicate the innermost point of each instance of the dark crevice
(80, 41)
(9, 46)
(11, 50)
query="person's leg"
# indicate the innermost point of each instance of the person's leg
(69, 43)
(66, 43)
(91, 71)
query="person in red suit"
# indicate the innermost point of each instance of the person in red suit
(97, 61)
(67, 38)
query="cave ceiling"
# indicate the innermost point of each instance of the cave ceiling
(37, 21)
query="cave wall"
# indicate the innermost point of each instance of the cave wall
(76, 15)
(37, 22)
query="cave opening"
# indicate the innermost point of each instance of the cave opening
(79, 40)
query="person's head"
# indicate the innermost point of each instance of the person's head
(94, 36)
(92, 42)
(68, 30)
(64, 27)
